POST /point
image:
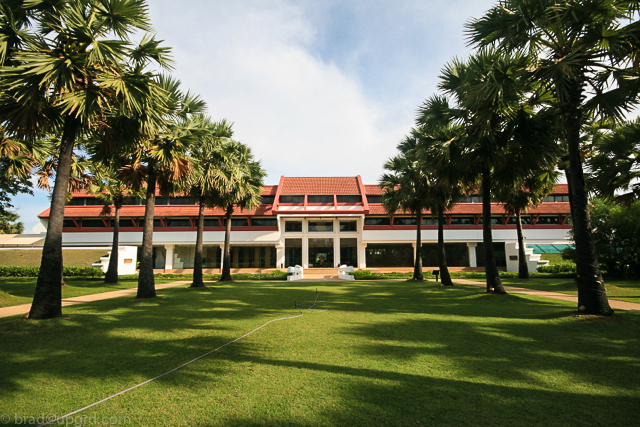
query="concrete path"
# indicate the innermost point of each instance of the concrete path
(24, 308)
(620, 305)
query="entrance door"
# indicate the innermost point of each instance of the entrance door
(292, 252)
(349, 252)
(320, 253)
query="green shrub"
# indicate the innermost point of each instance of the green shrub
(558, 268)
(15, 271)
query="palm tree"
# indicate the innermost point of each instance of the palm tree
(408, 186)
(160, 162)
(204, 180)
(62, 80)
(442, 153)
(586, 52)
(112, 191)
(240, 181)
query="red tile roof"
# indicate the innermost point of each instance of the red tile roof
(476, 209)
(561, 189)
(373, 190)
(320, 185)
(160, 211)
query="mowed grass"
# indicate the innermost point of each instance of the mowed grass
(384, 354)
(20, 290)
(621, 290)
(32, 257)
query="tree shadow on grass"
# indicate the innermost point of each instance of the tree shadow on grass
(395, 354)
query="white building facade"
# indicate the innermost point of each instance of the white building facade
(319, 222)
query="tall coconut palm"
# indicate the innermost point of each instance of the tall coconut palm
(240, 182)
(587, 54)
(160, 162)
(204, 180)
(62, 79)
(408, 186)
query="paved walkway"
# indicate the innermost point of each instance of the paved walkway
(620, 305)
(24, 308)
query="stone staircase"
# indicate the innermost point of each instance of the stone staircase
(315, 274)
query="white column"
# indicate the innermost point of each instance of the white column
(472, 254)
(280, 255)
(168, 260)
(414, 252)
(221, 256)
(362, 255)
(336, 251)
(305, 252)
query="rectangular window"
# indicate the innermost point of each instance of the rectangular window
(495, 220)
(253, 256)
(389, 255)
(320, 226)
(68, 223)
(211, 222)
(76, 202)
(156, 223)
(264, 222)
(374, 199)
(404, 221)
(125, 223)
(239, 222)
(548, 220)
(524, 219)
(183, 201)
(377, 221)
(93, 201)
(348, 226)
(349, 252)
(429, 221)
(291, 199)
(179, 222)
(162, 201)
(92, 223)
(462, 220)
(267, 200)
(293, 226)
(292, 252)
(320, 199)
(349, 199)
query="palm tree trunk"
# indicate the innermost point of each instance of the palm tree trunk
(592, 297)
(226, 260)
(491, 269)
(523, 266)
(417, 267)
(47, 299)
(445, 277)
(198, 282)
(112, 271)
(146, 281)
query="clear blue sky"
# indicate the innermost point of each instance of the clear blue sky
(315, 88)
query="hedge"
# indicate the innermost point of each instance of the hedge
(15, 271)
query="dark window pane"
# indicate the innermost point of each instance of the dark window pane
(253, 256)
(267, 200)
(391, 255)
(291, 199)
(126, 223)
(238, 222)
(320, 226)
(92, 223)
(498, 251)
(462, 220)
(404, 221)
(548, 220)
(182, 201)
(349, 199)
(156, 223)
(348, 226)
(292, 252)
(264, 222)
(76, 202)
(68, 223)
(377, 221)
(524, 219)
(293, 226)
(374, 199)
(495, 220)
(429, 221)
(211, 222)
(320, 199)
(456, 255)
(180, 222)
(162, 201)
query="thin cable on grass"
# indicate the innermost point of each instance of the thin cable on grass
(185, 364)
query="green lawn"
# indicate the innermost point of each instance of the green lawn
(19, 290)
(622, 290)
(32, 257)
(384, 354)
